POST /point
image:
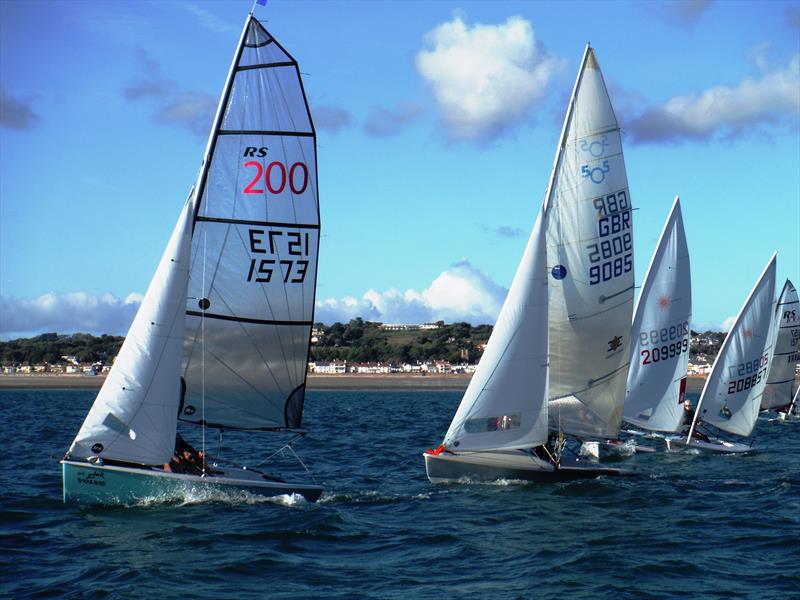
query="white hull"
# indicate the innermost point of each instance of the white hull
(715, 445)
(513, 465)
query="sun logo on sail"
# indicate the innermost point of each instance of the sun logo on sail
(748, 333)
(663, 302)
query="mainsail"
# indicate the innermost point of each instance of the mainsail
(787, 350)
(732, 393)
(660, 334)
(254, 248)
(590, 262)
(134, 415)
(505, 405)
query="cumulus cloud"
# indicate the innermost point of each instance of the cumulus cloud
(15, 113)
(505, 231)
(680, 12)
(190, 110)
(773, 100)
(67, 313)
(486, 78)
(461, 293)
(331, 118)
(152, 84)
(385, 122)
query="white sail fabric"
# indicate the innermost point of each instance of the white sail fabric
(134, 416)
(660, 334)
(787, 350)
(505, 405)
(590, 259)
(254, 248)
(732, 393)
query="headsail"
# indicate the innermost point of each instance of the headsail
(590, 262)
(732, 393)
(505, 405)
(134, 415)
(660, 334)
(254, 248)
(787, 350)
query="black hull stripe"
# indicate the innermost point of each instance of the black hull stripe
(261, 132)
(208, 315)
(265, 66)
(262, 223)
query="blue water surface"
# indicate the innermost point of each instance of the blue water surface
(689, 526)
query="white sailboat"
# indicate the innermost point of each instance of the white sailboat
(557, 363)
(222, 336)
(778, 392)
(732, 393)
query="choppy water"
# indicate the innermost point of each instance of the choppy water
(696, 526)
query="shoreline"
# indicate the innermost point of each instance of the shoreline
(351, 381)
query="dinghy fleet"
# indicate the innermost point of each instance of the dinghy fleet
(573, 373)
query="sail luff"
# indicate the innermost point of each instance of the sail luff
(767, 278)
(562, 139)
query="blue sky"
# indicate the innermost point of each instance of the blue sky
(427, 191)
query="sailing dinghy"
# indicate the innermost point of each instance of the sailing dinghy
(660, 340)
(222, 336)
(557, 364)
(778, 392)
(732, 393)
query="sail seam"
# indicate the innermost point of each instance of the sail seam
(253, 222)
(207, 315)
(265, 66)
(265, 132)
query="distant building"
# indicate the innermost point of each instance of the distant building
(399, 327)
(337, 367)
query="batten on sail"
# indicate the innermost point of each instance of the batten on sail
(732, 393)
(778, 391)
(590, 261)
(661, 334)
(254, 248)
(133, 417)
(505, 404)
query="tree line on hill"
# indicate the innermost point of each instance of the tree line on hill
(356, 341)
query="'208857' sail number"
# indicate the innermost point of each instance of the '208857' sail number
(753, 370)
(612, 254)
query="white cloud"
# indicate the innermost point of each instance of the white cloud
(731, 111)
(461, 293)
(486, 78)
(67, 313)
(728, 323)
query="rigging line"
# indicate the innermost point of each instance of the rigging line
(203, 354)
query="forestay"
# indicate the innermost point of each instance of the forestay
(254, 248)
(590, 261)
(505, 405)
(732, 393)
(660, 334)
(134, 415)
(787, 350)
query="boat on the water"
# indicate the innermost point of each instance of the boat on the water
(557, 359)
(222, 336)
(660, 345)
(732, 393)
(778, 394)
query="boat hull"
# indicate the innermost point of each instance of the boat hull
(716, 446)
(492, 466)
(84, 483)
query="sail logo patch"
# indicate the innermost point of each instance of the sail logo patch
(559, 272)
(615, 343)
(596, 148)
(596, 174)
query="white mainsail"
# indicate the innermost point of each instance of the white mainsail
(590, 261)
(134, 416)
(787, 350)
(732, 393)
(254, 248)
(505, 405)
(660, 334)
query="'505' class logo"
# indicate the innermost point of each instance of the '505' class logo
(596, 148)
(596, 174)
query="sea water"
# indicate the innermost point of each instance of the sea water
(689, 526)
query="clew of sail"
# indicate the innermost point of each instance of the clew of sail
(505, 404)
(732, 393)
(661, 334)
(590, 262)
(787, 350)
(254, 248)
(134, 416)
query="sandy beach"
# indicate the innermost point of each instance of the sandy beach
(315, 382)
